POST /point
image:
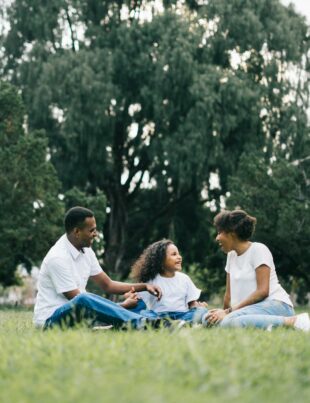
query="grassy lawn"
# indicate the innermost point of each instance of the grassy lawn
(192, 365)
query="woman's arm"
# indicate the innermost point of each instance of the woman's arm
(262, 290)
(227, 292)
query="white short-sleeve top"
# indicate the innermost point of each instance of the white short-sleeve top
(242, 271)
(63, 269)
(177, 292)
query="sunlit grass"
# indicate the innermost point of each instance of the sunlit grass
(194, 365)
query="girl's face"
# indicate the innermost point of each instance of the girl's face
(226, 240)
(173, 259)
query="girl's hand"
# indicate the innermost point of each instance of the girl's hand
(197, 304)
(131, 299)
(215, 316)
(202, 304)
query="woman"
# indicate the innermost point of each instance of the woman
(160, 264)
(253, 294)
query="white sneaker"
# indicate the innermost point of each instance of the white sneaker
(302, 322)
(102, 327)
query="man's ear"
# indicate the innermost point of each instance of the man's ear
(76, 232)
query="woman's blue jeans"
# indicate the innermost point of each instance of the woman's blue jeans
(194, 315)
(92, 307)
(263, 315)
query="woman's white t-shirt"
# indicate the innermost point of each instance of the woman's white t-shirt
(177, 292)
(242, 271)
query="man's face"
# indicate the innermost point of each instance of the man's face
(87, 234)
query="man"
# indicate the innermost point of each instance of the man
(62, 298)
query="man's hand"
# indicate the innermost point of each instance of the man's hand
(154, 290)
(215, 316)
(131, 299)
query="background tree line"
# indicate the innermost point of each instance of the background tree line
(161, 117)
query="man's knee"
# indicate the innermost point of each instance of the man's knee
(82, 299)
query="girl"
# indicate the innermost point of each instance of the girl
(253, 294)
(161, 264)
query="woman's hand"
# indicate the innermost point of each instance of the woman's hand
(154, 290)
(215, 316)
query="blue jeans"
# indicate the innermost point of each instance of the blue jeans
(261, 315)
(194, 315)
(93, 307)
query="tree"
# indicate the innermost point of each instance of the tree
(278, 195)
(29, 204)
(146, 110)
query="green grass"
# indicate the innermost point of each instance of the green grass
(192, 365)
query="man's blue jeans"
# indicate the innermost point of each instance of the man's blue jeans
(91, 307)
(265, 314)
(194, 315)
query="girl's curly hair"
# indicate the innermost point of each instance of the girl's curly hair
(150, 263)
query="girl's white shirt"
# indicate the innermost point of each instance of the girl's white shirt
(177, 292)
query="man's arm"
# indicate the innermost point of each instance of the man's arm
(71, 294)
(117, 287)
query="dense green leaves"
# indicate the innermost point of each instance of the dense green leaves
(147, 107)
(29, 204)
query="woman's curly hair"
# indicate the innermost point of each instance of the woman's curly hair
(150, 263)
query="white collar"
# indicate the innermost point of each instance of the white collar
(72, 249)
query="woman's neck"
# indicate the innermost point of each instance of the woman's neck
(242, 247)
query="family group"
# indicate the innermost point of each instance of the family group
(162, 294)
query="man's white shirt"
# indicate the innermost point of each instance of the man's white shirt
(63, 269)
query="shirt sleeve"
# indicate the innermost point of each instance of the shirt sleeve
(95, 267)
(61, 276)
(227, 267)
(193, 293)
(262, 255)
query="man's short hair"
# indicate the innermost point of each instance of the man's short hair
(75, 218)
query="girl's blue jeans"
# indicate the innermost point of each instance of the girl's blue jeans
(263, 315)
(194, 315)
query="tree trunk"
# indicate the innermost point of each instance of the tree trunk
(116, 233)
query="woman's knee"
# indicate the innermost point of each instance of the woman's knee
(228, 321)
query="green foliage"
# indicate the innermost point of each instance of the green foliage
(193, 365)
(146, 111)
(29, 204)
(278, 195)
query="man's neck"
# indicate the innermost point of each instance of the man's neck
(74, 242)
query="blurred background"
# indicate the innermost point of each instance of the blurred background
(156, 115)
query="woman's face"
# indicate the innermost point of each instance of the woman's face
(173, 259)
(226, 240)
